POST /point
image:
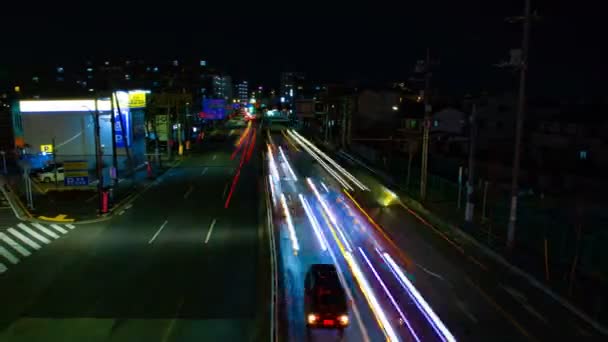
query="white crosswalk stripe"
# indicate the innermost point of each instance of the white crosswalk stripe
(8, 255)
(22, 242)
(31, 232)
(23, 238)
(14, 245)
(46, 230)
(59, 229)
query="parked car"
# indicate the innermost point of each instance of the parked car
(48, 176)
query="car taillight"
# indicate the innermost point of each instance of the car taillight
(312, 318)
(343, 320)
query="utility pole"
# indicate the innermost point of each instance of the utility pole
(98, 157)
(3, 154)
(55, 160)
(519, 125)
(427, 126)
(114, 173)
(470, 206)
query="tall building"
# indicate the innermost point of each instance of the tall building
(242, 91)
(222, 87)
(292, 83)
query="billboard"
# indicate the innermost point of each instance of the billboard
(213, 109)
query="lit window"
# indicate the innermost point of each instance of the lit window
(435, 123)
(582, 155)
(90, 69)
(60, 70)
(175, 63)
(35, 79)
(203, 63)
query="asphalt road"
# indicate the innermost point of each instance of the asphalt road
(473, 297)
(179, 264)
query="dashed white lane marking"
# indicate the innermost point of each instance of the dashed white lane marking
(71, 226)
(210, 230)
(204, 171)
(9, 256)
(33, 233)
(46, 230)
(23, 238)
(188, 192)
(158, 232)
(14, 245)
(121, 212)
(59, 228)
(214, 156)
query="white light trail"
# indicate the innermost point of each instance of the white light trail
(271, 163)
(324, 186)
(271, 182)
(371, 298)
(323, 164)
(293, 175)
(292, 232)
(430, 315)
(389, 295)
(336, 165)
(314, 223)
(328, 212)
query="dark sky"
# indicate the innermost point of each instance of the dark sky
(330, 40)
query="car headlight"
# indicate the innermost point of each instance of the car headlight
(312, 318)
(343, 319)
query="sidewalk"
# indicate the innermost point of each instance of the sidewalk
(58, 203)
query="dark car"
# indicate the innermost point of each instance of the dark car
(325, 299)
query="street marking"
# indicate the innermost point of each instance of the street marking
(46, 230)
(59, 229)
(521, 298)
(214, 156)
(23, 238)
(128, 206)
(121, 212)
(33, 233)
(188, 192)
(157, 232)
(15, 245)
(2, 268)
(210, 230)
(225, 189)
(91, 198)
(71, 226)
(462, 306)
(204, 171)
(9, 256)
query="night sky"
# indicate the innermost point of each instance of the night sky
(330, 42)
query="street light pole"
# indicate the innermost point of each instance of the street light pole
(3, 154)
(519, 125)
(470, 206)
(427, 127)
(98, 157)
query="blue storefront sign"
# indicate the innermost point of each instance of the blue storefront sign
(76, 181)
(123, 119)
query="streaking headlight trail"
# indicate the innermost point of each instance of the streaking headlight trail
(271, 163)
(314, 223)
(441, 330)
(293, 175)
(328, 212)
(292, 233)
(332, 162)
(389, 295)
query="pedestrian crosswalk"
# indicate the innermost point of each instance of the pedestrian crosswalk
(25, 238)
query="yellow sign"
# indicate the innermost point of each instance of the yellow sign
(137, 99)
(75, 165)
(46, 148)
(76, 173)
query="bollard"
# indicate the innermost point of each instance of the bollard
(104, 202)
(187, 145)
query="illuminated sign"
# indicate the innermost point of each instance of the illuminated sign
(48, 148)
(137, 99)
(46, 106)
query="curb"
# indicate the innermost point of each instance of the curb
(421, 210)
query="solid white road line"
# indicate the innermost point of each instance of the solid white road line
(33, 233)
(71, 226)
(210, 230)
(46, 230)
(23, 238)
(2, 268)
(9, 256)
(59, 229)
(158, 232)
(15, 245)
(204, 171)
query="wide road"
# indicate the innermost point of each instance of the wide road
(449, 290)
(186, 261)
